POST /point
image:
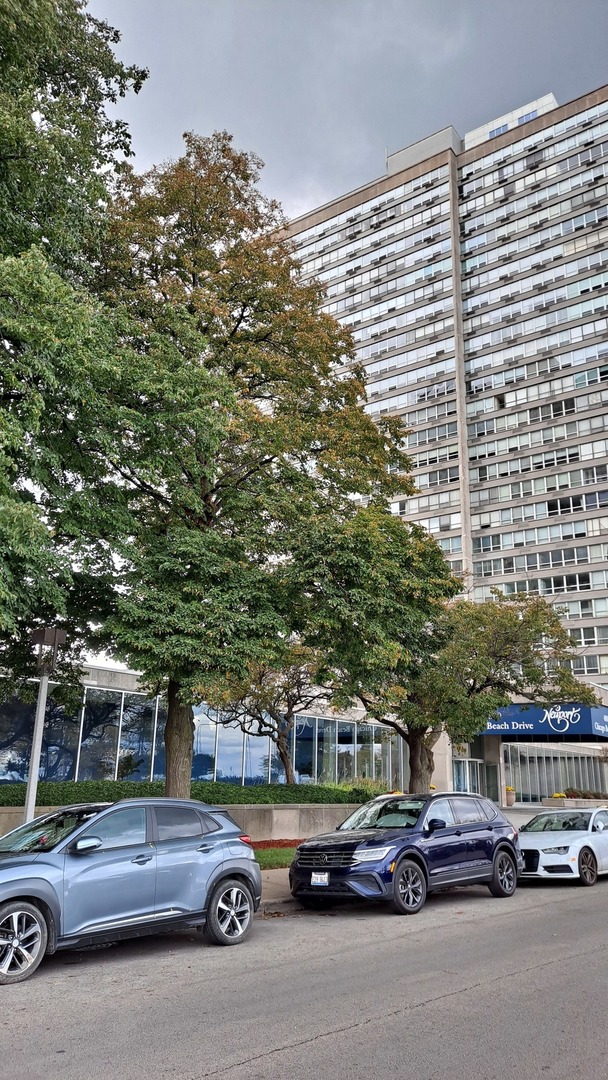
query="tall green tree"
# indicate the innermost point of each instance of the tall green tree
(236, 421)
(58, 146)
(58, 74)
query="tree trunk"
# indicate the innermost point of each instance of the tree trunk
(285, 756)
(422, 761)
(179, 737)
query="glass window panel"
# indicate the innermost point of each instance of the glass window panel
(136, 737)
(16, 729)
(59, 742)
(159, 771)
(326, 751)
(123, 828)
(203, 757)
(365, 751)
(346, 751)
(229, 755)
(257, 752)
(305, 742)
(99, 734)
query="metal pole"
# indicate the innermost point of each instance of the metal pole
(32, 779)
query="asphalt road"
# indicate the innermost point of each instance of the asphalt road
(472, 988)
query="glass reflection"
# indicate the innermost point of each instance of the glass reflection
(346, 751)
(159, 771)
(136, 737)
(99, 734)
(365, 751)
(305, 742)
(326, 751)
(257, 759)
(205, 731)
(230, 755)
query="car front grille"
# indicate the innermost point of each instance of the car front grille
(323, 859)
(530, 861)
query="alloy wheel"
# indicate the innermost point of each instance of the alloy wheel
(411, 888)
(234, 912)
(506, 873)
(587, 867)
(20, 942)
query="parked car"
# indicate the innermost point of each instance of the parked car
(106, 871)
(566, 844)
(398, 848)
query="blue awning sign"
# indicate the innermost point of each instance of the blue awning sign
(567, 721)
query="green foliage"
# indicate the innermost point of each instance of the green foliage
(58, 74)
(68, 792)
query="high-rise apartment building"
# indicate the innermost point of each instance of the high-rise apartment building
(474, 278)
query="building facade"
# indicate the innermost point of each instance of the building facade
(474, 278)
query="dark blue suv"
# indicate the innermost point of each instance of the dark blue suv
(398, 848)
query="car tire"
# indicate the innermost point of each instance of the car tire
(23, 940)
(315, 903)
(587, 867)
(229, 913)
(504, 875)
(409, 888)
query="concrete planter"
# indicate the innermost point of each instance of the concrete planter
(575, 804)
(261, 821)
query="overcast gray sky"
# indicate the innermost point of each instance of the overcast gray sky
(319, 88)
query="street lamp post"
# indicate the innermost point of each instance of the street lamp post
(45, 636)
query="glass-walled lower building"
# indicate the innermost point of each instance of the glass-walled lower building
(536, 771)
(119, 734)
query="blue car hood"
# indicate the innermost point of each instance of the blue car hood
(349, 839)
(9, 863)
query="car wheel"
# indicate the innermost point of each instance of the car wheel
(587, 867)
(229, 913)
(23, 940)
(315, 903)
(409, 888)
(504, 877)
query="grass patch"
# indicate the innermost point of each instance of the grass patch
(275, 858)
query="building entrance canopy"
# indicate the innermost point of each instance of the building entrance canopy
(569, 722)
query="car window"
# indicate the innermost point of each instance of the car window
(488, 809)
(441, 809)
(600, 822)
(177, 821)
(120, 829)
(467, 811)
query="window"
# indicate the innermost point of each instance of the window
(174, 822)
(121, 829)
(467, 811)
(442, 810)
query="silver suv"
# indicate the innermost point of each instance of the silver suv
(106, 871)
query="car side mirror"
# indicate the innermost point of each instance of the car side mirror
(436, 823)
(86, 843)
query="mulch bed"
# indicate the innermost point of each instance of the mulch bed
(260, 844)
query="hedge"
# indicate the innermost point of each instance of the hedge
(69, 792)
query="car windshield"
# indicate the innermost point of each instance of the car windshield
(567, 821)
(393, 814)
(45, 833)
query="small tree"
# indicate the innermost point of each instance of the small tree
(489, 655)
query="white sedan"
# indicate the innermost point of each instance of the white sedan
(566, 844)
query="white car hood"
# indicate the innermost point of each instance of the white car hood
(538, 840)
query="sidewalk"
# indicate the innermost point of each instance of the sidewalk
(275, 883)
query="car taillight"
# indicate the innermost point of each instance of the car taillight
(245, 839)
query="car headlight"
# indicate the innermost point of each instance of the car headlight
(375, 854)
(556, 850)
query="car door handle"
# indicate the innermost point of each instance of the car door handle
(205, 847)
(458, 832)
(490, 828)
(140, 860)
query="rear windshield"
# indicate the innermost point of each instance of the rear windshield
(394, 814)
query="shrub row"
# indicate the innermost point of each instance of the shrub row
(69, 792)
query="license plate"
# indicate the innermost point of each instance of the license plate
(319, 879)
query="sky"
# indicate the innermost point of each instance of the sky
(322, 89)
